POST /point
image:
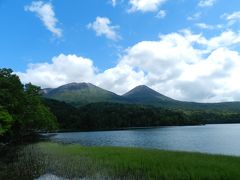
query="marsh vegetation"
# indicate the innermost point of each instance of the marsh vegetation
(75, 161)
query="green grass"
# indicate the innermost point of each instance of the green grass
(73, 161)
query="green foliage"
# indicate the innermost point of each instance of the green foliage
(11, 92)
(6, 121)
(214, 116)
(38, 115)
(99, 116)
(22, 111)
(75, 161)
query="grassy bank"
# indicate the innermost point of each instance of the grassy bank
(73, 161)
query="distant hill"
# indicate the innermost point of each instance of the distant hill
(144, 94)
(80, 94)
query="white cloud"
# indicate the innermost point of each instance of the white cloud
(204, 26)
(232, 18)
(225, 39)
(206, 3)
(46, 14)
(161, 14)
(102, 26)
(181, 65)
(145, 5)
(208, 26)
(195, 16)
(120, 78)
(175, 67)
(114, 2)
(63, 69)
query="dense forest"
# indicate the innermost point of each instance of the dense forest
(22, 111)
(214, 116)
(97, 116)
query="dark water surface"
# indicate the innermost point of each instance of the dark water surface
(214, 139)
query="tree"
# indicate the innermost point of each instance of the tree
(6, 121)
(22, 111)
(38, 115)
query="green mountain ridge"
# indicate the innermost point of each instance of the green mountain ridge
(143, 93)
(80, 94)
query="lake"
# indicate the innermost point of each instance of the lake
(214, 139)
(45, 160)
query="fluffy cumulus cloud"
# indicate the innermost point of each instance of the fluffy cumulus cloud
(46, 14)
(225, 39)
(62, 69)
(181, 65)
(206, 3)
(102, 26)
(121, 78)
(145, 5)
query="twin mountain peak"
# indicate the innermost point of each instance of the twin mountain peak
(83, 93)
(79, 94)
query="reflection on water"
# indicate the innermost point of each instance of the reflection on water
(216, 139)
(54, 177)
(50, 177)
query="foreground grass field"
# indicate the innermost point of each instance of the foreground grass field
(75, 161)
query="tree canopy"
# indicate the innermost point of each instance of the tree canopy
(21, 108)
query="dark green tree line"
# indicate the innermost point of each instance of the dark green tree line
(99, 116)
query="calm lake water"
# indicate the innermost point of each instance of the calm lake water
(215, 139)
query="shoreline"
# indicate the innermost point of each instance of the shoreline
(129, 128)
(117, 129)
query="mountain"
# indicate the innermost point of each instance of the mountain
(79, 94)
(93, 108)
(45, 91)
(145, 95)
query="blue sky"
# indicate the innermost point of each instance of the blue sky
(120, 44)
